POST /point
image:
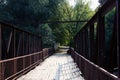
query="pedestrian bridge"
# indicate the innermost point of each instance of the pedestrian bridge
(23, 58)
(59, 66)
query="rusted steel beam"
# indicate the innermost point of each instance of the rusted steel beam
(95, 56)
(33, 43)
(118, 34)
(83, 32)
(101, 40)
(23, 38)
(0, 41)
(110, 4)
(18, 48)
(88, 68)
(13, 26)
(23, 52)
(99, 47)
(47, 52)
(80, 46)
(82, 43)
(78, 43)
(104, 10)
(41, 43)
(92, 45)
(28, 43)
(10, 46)
(4, 45)
(86, 44)
(19, 57)
(9, 42)
(29, 49)
(91, 21)
(74, 41)
(23, 71)
(36, 45)
(1, 66)
(14, 49)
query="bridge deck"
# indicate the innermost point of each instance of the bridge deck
(60, 66)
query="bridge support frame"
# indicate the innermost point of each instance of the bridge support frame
(1, 65)
(118, 34)
(101, 39)
(91, 42)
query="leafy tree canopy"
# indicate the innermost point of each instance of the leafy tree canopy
(28, 14)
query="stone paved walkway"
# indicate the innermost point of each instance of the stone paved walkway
(59, 66)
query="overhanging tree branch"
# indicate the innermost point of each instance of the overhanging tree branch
(70, 21)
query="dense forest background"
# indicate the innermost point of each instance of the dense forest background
(30, 15)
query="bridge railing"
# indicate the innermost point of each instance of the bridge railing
(91, 71)
(15, 67)
(20, 51)
(90, 40)
(15, 42)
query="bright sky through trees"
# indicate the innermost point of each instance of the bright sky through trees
(71, 2)
(93, 3)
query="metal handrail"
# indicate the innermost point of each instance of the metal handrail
(20, 51)
(92, 46)
(91, 71)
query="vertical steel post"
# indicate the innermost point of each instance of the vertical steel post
(1, 66)
(41, 43)
(83, 36)
(29, 42)
(86, 43)
(33, 44)
(95, 56)
(78, 43)
(91, 41)
(118, 34)
(34, 47)
(75, 43)
(0, 42)
(37, 45)
(101, 40)
(82, 43)
(14, 42)
(14, 47)
(23, 49)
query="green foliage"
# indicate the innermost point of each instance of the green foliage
(27, 14)
(83, 12)
(24, 12)
(109, 20)
(47, 35)
(63, 11)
